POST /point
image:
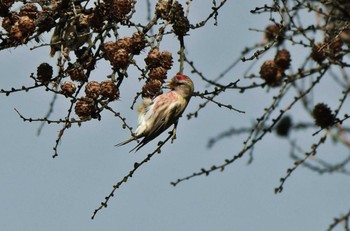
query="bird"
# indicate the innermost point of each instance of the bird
(158, 114)
(71, 32)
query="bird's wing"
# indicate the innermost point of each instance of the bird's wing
(163, 113)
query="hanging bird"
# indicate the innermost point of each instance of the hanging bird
(157, 115)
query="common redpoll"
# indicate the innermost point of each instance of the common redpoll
(70, 33)
(68, 38)
(157, 115)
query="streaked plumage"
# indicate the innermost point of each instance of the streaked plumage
(157, 115)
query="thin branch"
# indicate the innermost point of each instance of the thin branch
(130, 174)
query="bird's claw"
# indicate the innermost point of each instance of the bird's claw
(173, 136)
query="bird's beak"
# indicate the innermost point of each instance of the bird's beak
(171, 84)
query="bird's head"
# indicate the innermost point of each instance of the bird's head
(182, 84)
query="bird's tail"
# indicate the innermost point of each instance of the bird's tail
(132, 138)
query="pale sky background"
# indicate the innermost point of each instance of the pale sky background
(40, 193)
